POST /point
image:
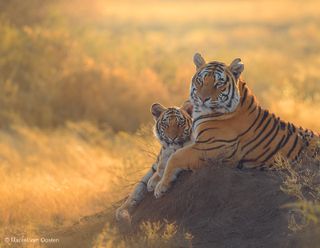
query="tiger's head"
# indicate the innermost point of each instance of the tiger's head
(172, 125)
(214, 87)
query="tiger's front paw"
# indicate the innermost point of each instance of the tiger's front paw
(160, 189)
(153, 181)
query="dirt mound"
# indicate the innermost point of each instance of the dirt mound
(224, 207)
(219, 206)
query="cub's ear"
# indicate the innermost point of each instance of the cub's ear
(156, 110)
(188, 107)
(198, 60)
(236, 67)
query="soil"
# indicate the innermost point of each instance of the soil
(219, 206)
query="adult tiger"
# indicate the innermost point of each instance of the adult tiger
(173, 129)
(230, 124)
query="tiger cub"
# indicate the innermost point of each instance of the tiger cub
(229, 123)
(173, 130)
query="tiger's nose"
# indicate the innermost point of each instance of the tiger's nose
(204, 99)
(173, 138)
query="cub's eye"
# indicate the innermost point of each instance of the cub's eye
(180, 122)
(219, 77)
(219, 84)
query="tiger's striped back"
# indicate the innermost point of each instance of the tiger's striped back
(269, 135)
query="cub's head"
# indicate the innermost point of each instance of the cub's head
(173, 125)
(214, 87)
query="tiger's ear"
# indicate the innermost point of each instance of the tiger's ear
(236, 67)
(198, 60)
(188, 107)
(156, 110)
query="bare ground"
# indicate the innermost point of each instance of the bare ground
(224, 207)
(220, 206)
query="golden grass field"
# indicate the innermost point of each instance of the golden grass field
(78, 78)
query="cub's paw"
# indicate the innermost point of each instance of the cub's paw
(122, 215)
(160, 189)
(152, 183)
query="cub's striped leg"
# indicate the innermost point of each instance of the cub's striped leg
(154, 180)
(187, 158)
(135, 197)
(156, 177)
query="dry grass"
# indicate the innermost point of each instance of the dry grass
(52, 178)
(78, 78)
(64, 64)
(150, 234)
(302, 181)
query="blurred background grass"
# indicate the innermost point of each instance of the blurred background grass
(78, 77)
(106, 62)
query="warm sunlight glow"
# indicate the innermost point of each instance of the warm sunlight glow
(78, 79)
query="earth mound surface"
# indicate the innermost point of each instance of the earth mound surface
(224, 207)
